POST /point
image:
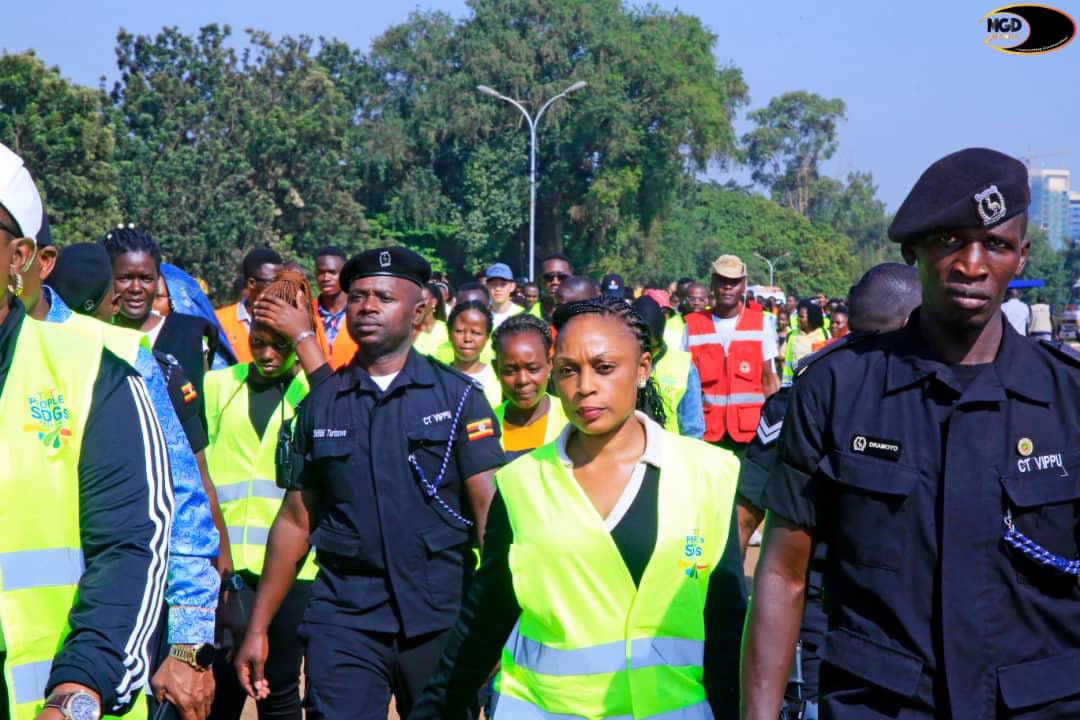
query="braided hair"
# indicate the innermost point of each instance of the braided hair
(523, 323)
(130, 239)
(286, 286)
(440, 304)
(471, 305)
(649, 399)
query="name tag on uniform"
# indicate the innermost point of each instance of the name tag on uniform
(876, 447)
(320, 433)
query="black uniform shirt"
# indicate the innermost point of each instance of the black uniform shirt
(907, 475)
(392, 557)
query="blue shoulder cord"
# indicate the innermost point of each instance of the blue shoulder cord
(431, 488)
(1031, 549)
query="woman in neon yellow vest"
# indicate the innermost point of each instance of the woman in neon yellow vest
(246, 407)
(470, 327)
(432, 331)
(530, 417)
(610, 570)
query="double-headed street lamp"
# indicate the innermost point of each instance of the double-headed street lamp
(532, 157)
(772, 264)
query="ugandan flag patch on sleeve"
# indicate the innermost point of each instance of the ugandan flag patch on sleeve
(480, 429)
(189, 392)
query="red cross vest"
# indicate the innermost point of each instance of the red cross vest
(731, 388)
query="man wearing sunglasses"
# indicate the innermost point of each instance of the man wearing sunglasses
(554, 269)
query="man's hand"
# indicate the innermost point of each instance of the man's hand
(282, 317)
(54, 713)
(250, 662)
(190, 691)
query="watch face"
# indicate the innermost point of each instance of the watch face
(204, 655)
(83, 706)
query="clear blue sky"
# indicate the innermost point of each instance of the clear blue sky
(916, 77)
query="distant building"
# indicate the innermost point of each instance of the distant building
(1074, 217)
(1050, 205)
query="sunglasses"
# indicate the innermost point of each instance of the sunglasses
(10, 231)
(555, 276)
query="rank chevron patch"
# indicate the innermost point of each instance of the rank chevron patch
(768, 433)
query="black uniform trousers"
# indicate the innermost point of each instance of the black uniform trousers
(352, 673)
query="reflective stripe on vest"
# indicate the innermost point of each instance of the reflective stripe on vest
(46, 399)
(737, 336)
(589, 642)
(606, 658)
(40, 568)
(736, 399)
(241, 462)
(731, 387)
(515, 709)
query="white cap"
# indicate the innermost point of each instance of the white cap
(20, 197)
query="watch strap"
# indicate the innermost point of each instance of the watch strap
(57, 700)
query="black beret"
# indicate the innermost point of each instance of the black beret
(971, 188)
(82, 276)
(392, 261)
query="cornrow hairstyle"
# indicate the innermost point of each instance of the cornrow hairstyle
(522, 323)
(286, 286)
(649, 398)
(440, 304)
(126, 239)
(471, 305)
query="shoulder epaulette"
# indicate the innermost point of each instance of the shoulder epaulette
(846, 341)
(1062, 351)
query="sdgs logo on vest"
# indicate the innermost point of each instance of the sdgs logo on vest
(49, 419)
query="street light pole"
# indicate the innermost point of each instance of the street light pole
(532, 157)
(772, 264)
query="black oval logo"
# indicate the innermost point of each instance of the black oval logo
(1028, 29)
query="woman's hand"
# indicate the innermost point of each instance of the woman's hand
(282, 317)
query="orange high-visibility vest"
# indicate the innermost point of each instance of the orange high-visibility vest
(732, 393)
(235, 331)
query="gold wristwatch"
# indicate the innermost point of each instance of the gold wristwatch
(200, 657)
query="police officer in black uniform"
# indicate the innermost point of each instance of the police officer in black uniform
(940, 464)
(385, 455)
(879, 302)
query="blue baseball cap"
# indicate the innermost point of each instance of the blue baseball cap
(499, 271)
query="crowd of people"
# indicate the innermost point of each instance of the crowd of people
(533, 499)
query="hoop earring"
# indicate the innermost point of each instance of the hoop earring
(15, 284)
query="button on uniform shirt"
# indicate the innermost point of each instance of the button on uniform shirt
(906, 467)
(392, 558)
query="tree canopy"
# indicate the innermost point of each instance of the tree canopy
(216, 145)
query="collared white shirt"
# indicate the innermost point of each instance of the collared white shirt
(653, 455)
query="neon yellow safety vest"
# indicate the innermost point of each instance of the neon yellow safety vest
(589, 643)
(671, 373)
(556, 419)
(445, 353)
(427, 343)
(45, 402)
(242, 464)
(673, 331)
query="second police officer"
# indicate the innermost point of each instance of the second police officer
(391, 478)
(939, 463)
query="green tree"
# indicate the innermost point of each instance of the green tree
(795, 133)
(64, 134)
(611, 156)
(711, 220)
(854, 210)
(1049, 265)
(225, 151)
